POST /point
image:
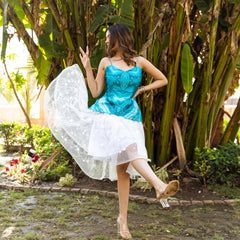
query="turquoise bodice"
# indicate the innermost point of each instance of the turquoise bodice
(121, 86)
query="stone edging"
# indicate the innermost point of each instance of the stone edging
(134, 198)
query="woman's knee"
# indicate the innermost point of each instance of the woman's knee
(122, 169)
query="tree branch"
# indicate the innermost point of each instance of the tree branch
(15, 93)
(17, 23)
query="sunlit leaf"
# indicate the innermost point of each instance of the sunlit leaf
(43, 65)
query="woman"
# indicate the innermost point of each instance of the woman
(107, 140)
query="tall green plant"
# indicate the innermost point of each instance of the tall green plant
(187, 40)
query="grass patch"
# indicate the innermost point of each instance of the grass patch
(17, 195)
(100, 237)
(32, 236)
(132, 207)
(74, 216)
(226, 191)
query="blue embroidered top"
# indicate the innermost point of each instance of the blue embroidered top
(121, 86)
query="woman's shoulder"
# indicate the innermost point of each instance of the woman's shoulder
(141, 61)
(105, 62)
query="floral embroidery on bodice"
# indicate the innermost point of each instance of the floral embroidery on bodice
(121, 87)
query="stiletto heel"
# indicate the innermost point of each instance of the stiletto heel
(164, 203)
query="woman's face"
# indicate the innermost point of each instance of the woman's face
(107, 38)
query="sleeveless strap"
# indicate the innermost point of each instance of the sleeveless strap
(137, 60)
(110, 60)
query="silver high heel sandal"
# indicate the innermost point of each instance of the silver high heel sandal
(169, 191)
(123, 233)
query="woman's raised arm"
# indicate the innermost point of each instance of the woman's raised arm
(95, 85)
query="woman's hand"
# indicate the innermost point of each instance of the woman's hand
(140, 90)
(84, 56)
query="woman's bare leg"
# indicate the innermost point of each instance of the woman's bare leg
(123, 195)
(142, 166)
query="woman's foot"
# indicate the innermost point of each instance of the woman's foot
(168, 190)
(123, 229)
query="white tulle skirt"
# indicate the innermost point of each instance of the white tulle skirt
(97, 141)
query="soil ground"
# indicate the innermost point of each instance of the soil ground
(38, 215)
(190, 189)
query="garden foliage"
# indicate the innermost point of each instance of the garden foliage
(219, 165)
(196, 44)
(45, 145)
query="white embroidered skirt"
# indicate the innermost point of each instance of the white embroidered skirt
(97, 141)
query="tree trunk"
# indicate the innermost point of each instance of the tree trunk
(232, 127)
(16, 95)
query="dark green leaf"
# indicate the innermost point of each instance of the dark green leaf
(5, 34)
(187, 69)
(238, 66)
(100, 17)
(165, 43)
(56, 55)
(1, 18)
(202, 5)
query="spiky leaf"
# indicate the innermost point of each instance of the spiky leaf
(100, 17)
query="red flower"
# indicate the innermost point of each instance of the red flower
(18, 132)
(36, 158)
(7, 169)
(23, 170)
(33, 160)
(11, 163)
(15, 161)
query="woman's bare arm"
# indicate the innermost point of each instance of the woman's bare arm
(95, 85)
(159, 79)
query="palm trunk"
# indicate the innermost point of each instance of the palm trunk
(232, 127)
(174, 55)
(201, 138)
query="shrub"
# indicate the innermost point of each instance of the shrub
(68, 181)
(45, 145)
(219, 165)
(6, 129)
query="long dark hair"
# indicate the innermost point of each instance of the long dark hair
(122, 39)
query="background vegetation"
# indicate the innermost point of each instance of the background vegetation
(196, 44)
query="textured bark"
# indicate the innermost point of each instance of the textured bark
(33, 18)
(180, 147)
(17, 23)
(170, 101)
(232, 127)
(201, 138)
